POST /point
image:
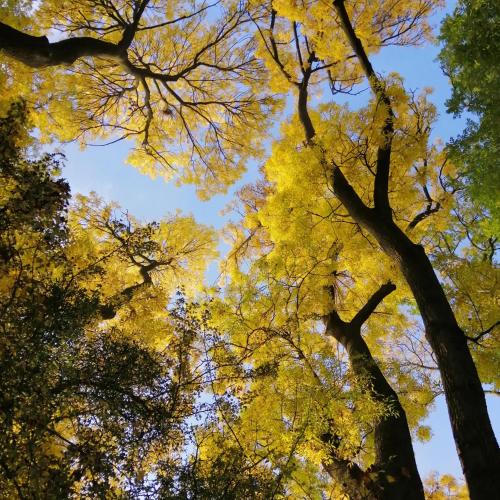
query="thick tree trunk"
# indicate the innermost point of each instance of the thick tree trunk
(474, 437)
(395, 467)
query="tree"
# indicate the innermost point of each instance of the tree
(88, 407)
(104, 372)
(470, 36)
(371, 169)
(367, 164)
(394, 472)
(288, 261)
(180, 79)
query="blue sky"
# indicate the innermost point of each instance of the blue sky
(102, 169)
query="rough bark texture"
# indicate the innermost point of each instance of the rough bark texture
(395, 468)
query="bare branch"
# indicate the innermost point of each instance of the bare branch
(429, 210)
(131, 29)
(477, 338)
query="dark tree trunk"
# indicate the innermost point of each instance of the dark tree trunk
(38, 52)
(395, 467)
(474, 437)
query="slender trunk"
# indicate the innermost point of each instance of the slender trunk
(394, 456)
(395, 467)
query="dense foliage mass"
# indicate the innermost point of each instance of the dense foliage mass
(471, 38)
(360, 284)
(94, 408)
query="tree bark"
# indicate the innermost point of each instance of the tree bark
(354, 482)
(395, 467)
(474, 437)
(38, 52)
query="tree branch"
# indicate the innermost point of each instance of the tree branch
(131, 29)
(273, 50)
(303, 112)
(365, 312)
(108, 310)
(423, 215)
(345, 332)
(479, 336)
(381, 187)
(429, 210)
(494, 392)
(38, 52)
(362, 214)
(352, 478)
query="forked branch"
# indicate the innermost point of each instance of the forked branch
(381, 188)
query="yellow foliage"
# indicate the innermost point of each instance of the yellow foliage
(188, 91)
(444, 487)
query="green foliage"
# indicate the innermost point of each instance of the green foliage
(81, 407)
(471, 37)
(465, 256)
(91, 408)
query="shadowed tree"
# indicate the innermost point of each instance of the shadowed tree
(394, 474)
(87, 407)
(468, 57)
(282, 261)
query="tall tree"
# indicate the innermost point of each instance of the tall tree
(367, 172)
(285, 256)
(89, 407)
(394, 472)
(180, 79)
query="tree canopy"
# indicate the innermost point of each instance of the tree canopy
(89, 407)
(361, 280)
(179, 78)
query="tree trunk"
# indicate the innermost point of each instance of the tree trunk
(395, 467)
(474, 437)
